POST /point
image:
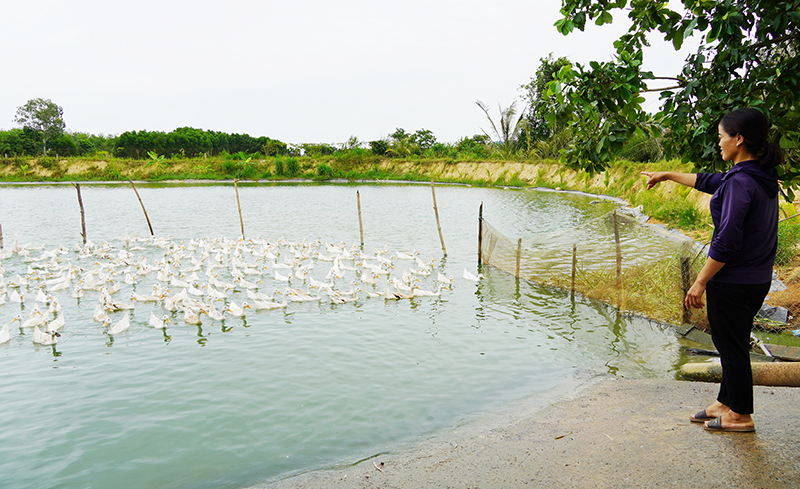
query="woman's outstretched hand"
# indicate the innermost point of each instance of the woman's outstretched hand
(653, 177)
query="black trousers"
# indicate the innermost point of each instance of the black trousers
(731, 309)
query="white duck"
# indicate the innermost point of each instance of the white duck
(35, 318)
(100, 315)
(237, 311)
(41, 296)
(5, 336)
(372, 295)
(280, 278)
(299, 295)
(427, 293)
(192, 316)
(213, 314)
(472, 277)
(56, 324)
(55, 306)
(121, 325)
(42, 338)
(394, 295)
(267, 304)
(157, 323)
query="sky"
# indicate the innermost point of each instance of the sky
(300, 71)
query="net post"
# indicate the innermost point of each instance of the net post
(236, 188)
(685, 287)
(574, 267)
(143, 209)
(360, 224)
(436, 212)
(480, 233)
(519, 255)
(83, 215)
(616, 242)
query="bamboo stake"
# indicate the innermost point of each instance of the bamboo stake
(519, 255)
(685, 287)
(619, 251)
(143, 209)
(1, 236)
(360, 224)
(574, 266)
(236, 186)
(83, 215)
(436, 211)
(480, 232)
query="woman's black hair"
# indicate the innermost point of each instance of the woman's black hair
(753, 126)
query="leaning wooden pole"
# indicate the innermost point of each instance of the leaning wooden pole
(436, 211)
(83, 215)
(143, 209)
(241, 221)
(519, 255)
(360, 224)
(480, 233)
(1, 236)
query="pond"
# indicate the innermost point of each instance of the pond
(314, 384)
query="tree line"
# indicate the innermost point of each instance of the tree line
(584, 115)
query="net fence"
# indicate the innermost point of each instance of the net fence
(614, 258)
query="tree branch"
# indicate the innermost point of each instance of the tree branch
(775, 40)
(665, 88)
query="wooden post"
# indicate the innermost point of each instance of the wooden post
(685, 287)
(519, 255)
(143, 209)
(241, 221)
(436, 211)
(360, 224)
(1, 236)
(83, 215)
(480, 232)
(619, 251)
(574, 266)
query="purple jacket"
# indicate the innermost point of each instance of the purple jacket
(744, 208)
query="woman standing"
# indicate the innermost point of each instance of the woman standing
(738, 271)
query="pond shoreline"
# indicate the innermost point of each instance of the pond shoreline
(612, 432)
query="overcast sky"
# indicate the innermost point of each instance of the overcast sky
(298, 71)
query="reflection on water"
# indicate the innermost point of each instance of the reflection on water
(234, 402)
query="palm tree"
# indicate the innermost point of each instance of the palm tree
(510, 126)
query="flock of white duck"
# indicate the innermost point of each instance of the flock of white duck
(203, 277)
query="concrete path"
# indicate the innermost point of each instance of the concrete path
(614, 433)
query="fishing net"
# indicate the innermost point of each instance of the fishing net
(613, 258)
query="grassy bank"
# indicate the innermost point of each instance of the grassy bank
(667, 203)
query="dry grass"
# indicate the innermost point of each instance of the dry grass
(651, 290)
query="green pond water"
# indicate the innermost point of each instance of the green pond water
(246, 400)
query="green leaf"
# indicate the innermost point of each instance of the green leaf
(605, 18)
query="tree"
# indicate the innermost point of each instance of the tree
(540, 103)
(748, 56)
(43, 117)
(510, 125)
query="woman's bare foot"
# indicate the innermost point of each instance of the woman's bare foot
(732, 421)
(713, 411)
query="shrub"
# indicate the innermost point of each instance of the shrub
(788, 238)
(292, 168)
(325, 171)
